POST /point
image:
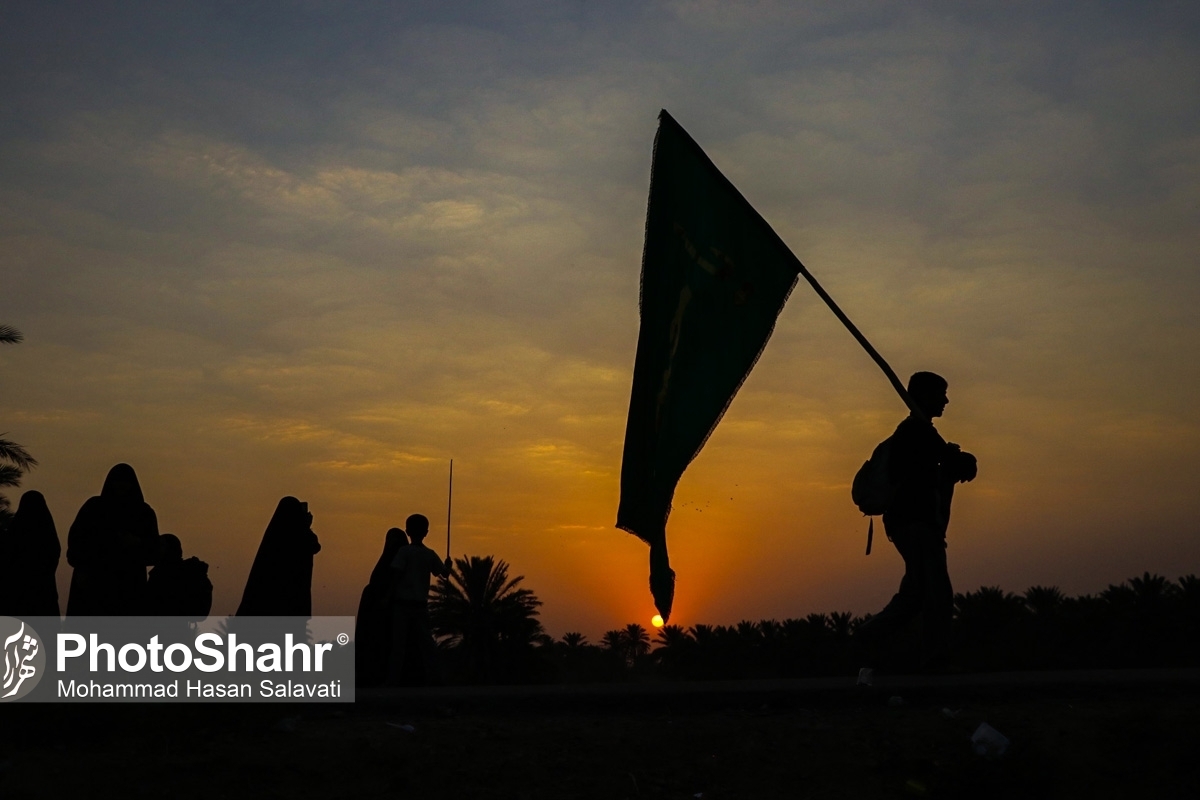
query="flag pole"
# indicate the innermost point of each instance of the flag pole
(871, 351)
(449, 501)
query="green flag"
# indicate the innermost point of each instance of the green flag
(714, 279)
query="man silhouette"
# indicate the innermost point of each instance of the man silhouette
(414, 566)
(922, 468)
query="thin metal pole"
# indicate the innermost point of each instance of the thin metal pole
(449, 503)
(883, 365)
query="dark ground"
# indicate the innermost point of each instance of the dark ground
(1093, 735)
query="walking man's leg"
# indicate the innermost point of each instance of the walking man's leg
(908, 601)
(937, 607)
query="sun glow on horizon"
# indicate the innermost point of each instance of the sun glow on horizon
(656, 621)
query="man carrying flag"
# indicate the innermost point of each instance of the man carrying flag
(715, 277)
(922, 470)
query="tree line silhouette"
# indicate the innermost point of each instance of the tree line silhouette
(1148, 621)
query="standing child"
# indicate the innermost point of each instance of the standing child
(414, 566)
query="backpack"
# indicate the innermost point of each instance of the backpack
(872, 490)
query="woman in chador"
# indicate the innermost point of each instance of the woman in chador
(29, 552)
(280, 582)
(110, 544)
(373, 625)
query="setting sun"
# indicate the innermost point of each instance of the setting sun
(656, 621)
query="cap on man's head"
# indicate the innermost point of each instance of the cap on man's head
(417, 524)
(923, 384)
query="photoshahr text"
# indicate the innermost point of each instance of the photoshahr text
(212, 654)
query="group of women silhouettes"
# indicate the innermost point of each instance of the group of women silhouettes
(115, 537)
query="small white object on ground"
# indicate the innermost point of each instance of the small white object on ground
(987, 741)
(866, 676)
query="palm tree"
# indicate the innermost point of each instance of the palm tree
(674, 649)
(627, 644)
(15, 460)
(18, 463)
(749, 632)
(574, 640)
(702, 634)
(672, 636)
(840, 623)
(480, 611)
(989, 608)
(572, 645)
(1141, 621)
(613, 645)
(989, 625)
(1152, 590)
(1188, 625)
(637, 641)
(613, 640)
(1044, 601)
(771, 631)
(1043, 639)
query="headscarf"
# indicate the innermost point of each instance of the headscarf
(121, 486)
(393, 541)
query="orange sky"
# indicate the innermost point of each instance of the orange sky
(325, 259)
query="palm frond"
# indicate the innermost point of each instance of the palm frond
(11, 451)
(613, 640)
(10, 335)
(10, 475)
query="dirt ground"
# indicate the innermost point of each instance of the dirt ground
(1093, 742)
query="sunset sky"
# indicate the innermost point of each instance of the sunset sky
(320, 249)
